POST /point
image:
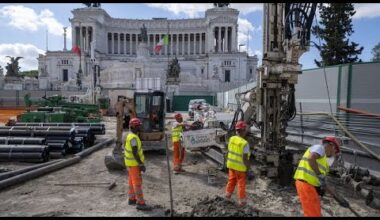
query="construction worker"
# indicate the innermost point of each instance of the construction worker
(238, 163)
(134, 161)
(178, 150)
(311, 172)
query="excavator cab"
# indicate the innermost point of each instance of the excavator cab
(150, 109)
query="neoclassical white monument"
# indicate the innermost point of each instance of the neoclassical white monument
(206, 49)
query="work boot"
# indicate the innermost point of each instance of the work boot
(242, 204)
(131, 202)
(181, 170)
(143, 207)
(176, 170)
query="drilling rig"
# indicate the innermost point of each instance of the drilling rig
(271, 104)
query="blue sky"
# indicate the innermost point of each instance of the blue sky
(24, 26)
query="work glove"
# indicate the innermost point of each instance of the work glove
(322, 188)
(250, 175)
(142, 168)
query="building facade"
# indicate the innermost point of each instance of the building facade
(114, 55)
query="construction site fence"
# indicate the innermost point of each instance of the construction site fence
(360, 135)
(11, 98)
(351, 85)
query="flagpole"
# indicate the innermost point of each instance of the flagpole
(167, 73)
(167, 46)
(80, 57)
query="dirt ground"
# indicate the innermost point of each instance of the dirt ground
(41, 197)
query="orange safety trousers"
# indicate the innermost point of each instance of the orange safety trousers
(135, 185)
(239, 178)
(309, 198)
(178, 155)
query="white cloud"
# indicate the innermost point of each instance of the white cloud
(258, 53)
(29, 53)
(25, 18)
(367, 10)
(191, 10)
(245, 29)
(198, 10)
(246, 8)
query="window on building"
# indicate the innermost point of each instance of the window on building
(202, 71)
(227, 76)
(250, 71)
(64, 62)
(65, 75)
(227, 63)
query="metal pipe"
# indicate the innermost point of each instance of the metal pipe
(96, 147)
(38, 172)
(26, 169)
(22, 140)
(169, 174)
(52, 167)
(346, 132)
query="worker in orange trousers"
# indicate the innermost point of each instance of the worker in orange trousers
(178, 150)
(134, 161)
(238, 163)
(311, 172)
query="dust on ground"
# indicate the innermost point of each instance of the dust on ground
(41, 197)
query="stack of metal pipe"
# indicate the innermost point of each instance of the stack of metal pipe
(25, 153)
(59, 138)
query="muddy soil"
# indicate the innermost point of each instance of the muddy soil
(191, 191)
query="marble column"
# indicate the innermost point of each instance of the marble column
(195, 43)
(219, 39)
(188, 44)
(113, 43)
(177, 44)
(81, 38)
(183, 44)
(125, 43)
(137, 42)
(233, 41)
(171, 44)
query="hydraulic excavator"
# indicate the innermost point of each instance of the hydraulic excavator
(149, 107)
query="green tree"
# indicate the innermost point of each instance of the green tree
(30, 73)
(334, 29)
(376, 53)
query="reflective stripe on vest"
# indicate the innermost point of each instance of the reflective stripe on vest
(235, 154)
(129, 159)
(176, 133)
(305, 172)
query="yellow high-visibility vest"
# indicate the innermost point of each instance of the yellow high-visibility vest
(306, 173)
(235, 153)
(176, 133)
(129, 159)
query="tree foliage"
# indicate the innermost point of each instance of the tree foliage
(376, 53)
(30, 73)
(334, 29)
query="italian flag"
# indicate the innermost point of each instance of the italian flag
(163, 41)
(76, 48)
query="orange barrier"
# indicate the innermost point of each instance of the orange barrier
(7, 113)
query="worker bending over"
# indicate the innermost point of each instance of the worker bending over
(178, 149)
(238, 162)
(311, 172)
(134, 161)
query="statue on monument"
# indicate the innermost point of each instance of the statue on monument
(174, 69)
(144, 34)
(12, 67)
(95, 5)
(221, 5)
